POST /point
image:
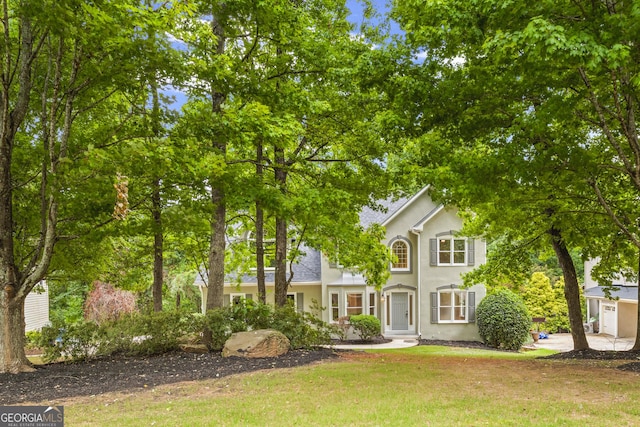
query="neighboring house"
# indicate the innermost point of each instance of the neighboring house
(615, 316)
(36, 308)
(423, 296)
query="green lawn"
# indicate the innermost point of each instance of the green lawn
(426, 385)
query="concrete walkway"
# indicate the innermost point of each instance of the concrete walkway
(396, 342)
(564, 342)
(557, 342)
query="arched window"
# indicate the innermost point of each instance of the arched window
(400, 250)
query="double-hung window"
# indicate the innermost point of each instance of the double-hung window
(452, 251)
(452, 305)
(447, 250)
(354, 303)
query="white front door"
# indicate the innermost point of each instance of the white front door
(609, 319)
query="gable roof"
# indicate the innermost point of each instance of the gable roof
(306, 269)
(390, 208)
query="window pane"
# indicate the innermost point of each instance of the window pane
(445, 313)
(372, 304)
(334, 300)
(444, 258)
(445, 299)
(459, 245)
(445, 245)
(460, 298)
(458, 257)
(460, 310)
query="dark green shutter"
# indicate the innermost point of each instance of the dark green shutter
(300, 301)
(433, 252)
(434, 307)
(471, 300)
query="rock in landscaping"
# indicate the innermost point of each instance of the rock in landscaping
(258, 343)
(194, 348)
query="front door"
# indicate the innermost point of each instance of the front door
(400, 311)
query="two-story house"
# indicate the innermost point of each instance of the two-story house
(423, 296)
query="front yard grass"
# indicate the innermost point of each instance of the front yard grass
(426, 385)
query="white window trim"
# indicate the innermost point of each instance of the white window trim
(466, 305)
(331, 307)
(452, 252)
(250, 239)
(295, 298)
(236, 294)
(375, 303)
(362, 306)
(406, 244)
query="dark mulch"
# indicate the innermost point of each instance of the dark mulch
(57, 381)
(603, 355)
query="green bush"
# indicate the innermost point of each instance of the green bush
(365, 325)
(145, 334)
(303, 329)
(78, 341)
(503, 320)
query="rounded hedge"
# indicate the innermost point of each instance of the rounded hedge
(365, 325)
(503, 320)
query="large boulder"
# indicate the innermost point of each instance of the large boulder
(258, 343)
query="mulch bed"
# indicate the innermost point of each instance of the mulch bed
(603, 355)
(56, 381)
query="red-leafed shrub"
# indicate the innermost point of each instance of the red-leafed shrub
(106, 303)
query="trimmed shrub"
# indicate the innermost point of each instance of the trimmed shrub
(503, 320)
(365, 325)
(303, 329)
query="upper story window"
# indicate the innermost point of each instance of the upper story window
(400, 250)
(269, 246)
(452, 251)
(449, 250)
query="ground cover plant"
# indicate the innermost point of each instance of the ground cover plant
(423, 385)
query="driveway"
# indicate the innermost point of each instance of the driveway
(564, 342)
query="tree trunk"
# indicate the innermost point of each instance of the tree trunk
(262, 288)
(215, 285)
(12, 355)
(280, 278)
(158, 244)
(14, 287)
(571, 290)
(636, 343)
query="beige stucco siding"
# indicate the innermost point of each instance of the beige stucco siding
(311, 291)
